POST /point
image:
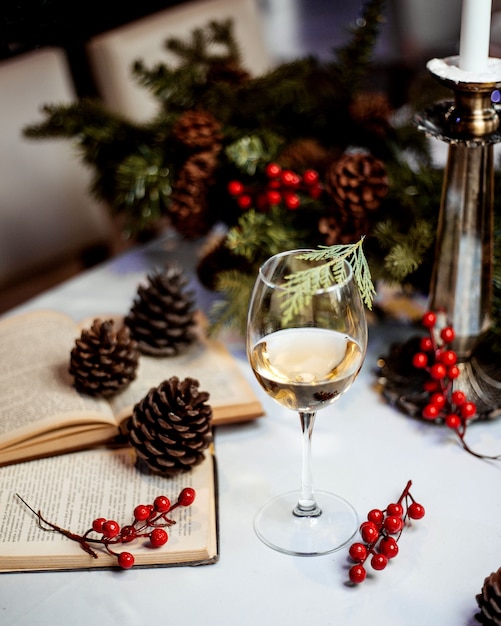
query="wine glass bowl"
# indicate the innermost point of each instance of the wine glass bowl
(305, 356)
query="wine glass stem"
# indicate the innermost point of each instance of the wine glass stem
(306, 506)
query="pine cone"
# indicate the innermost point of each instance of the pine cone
(103, 361)
(162, 318)
(305, 154)
(171, 427)
(198, 130)
(489, 601)
(189, 208)
(372, 112)
(357, 183)
(341, 230)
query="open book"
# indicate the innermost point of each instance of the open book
(72, 490)
(42, 414)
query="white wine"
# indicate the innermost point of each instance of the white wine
(305, 368)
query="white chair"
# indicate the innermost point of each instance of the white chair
(47, 214)
(112, 54)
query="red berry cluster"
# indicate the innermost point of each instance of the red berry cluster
(282, 186)
(150, 521)
(440, 362)
(377, 533)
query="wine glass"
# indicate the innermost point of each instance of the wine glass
(305, 361)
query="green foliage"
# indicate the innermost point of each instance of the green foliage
(303, 284)
(230, 310)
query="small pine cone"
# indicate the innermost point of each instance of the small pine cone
(189, 208)
(171, 426)
(357, 183)
(372, 111)
(197, 130)
(162, 318)
(489, 601)
(305, 154)
(104, 361)
(338, 230)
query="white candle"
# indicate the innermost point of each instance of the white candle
(475, 35)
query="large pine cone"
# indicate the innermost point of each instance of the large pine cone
(162, 318)
(104, 361)
(171, 427)
(358, 183)
(489, 601)
(372, 112)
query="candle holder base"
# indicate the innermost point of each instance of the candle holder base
(480, 379)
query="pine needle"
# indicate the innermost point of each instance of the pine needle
(303, 284)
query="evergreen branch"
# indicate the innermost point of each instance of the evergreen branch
(302, 285)
(231, 311)
(353, 59)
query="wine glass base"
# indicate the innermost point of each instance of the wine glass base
(277, 526)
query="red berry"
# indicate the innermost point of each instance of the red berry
(468, 410)
(292, 201)
(448, 357)
(186, 497)
(357, 574)
(369, 532)
(416, 510)
(125, 560)
(273, 170)
(235, 188)
(310, 177)
(438, 371)
(453, 372)
(438, 399)
(453, 421)
(379, 561)
(431, 412)
(158, 537)
(429, 320)
(458, 398)
(358, 552)
(244, 201)
(290, 178)
(447, 334)
(110, 529)
(97, 524)
(431, 385)
(389, 547)
(273, 197)
(420, 360)
(375, 516)
(393, 524)
(315, 191)
(426, 344)
(395, 508)
(128, 533)
(141, 512)
(161, 504)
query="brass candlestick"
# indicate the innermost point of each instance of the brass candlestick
(461, 284)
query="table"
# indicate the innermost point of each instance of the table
(363, 449)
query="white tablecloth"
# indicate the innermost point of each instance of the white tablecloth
(363, 449)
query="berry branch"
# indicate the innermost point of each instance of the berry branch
(440, 362)
(377, 531)
(150, 521)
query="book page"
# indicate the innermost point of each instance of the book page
(74, 489)
(231, 397)
(36, 391)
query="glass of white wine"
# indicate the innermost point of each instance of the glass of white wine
(305, 360)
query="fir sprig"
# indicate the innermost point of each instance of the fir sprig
(301, 285)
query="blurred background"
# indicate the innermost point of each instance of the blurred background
(414, 30)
